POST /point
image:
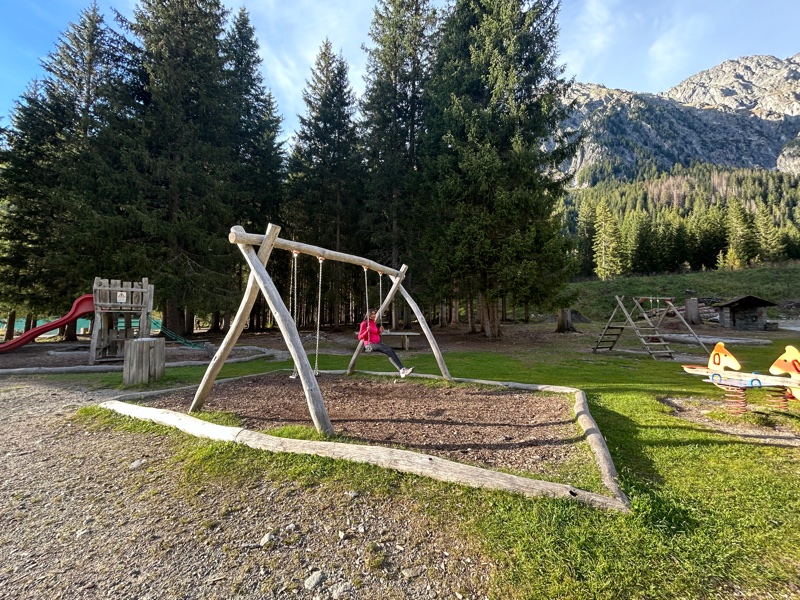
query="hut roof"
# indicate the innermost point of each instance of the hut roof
(745, 302)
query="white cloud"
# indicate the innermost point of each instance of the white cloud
(290, 35)
(588, 34)
(674, 49)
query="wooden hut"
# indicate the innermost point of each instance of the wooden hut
(744, 313)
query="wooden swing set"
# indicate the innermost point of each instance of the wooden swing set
(259, 279)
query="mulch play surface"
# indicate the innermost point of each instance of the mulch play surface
(495, 428)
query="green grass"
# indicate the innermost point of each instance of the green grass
(714, 516)
(595, 298)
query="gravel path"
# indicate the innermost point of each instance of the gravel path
(100, 514)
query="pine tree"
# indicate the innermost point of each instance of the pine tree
(607, 244)
(771, 247)
(742, 243)
(398, 68)
(181, 155)
(324, 172)
(584, 234)
(257, 177)
(48, 258)
(494, 147)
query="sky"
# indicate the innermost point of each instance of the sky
(637, 45)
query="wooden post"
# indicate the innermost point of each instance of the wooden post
(144, 361)
(239, 321)
(319, 414)
(428, 334)
(693, 312)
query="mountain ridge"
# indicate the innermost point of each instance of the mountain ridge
(743, 112)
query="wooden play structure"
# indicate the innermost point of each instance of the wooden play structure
(638, 320)
(724, 371)
(259, 279)
(116, 305)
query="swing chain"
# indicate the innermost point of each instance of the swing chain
(293, 299)
(319, 315)
(380, 299)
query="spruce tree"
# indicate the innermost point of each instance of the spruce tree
(181, 156)
(325, 169)
(742, 242)
(494, 148)
(771, 247)
(257, 175)
(398, 67)
(49, 255)
(608, 251)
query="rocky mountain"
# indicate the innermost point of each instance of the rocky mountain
(765, 86)
(742, 113)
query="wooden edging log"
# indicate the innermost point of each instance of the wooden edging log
(404, 461)
(413, 462)
(591, 431)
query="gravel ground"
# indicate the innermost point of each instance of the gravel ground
(100, 514)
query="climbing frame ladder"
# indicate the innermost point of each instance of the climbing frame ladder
(646, 331)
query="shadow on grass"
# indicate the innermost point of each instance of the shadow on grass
(651, 502)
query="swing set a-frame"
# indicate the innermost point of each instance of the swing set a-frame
(259, 279)
(646, 329)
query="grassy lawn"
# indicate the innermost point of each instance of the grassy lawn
(713, 515)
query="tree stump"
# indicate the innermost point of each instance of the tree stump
(693, 312)
(144, 361)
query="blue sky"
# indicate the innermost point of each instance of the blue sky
(638, 45)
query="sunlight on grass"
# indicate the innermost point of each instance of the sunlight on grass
(714, 515)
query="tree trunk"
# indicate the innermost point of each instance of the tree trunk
(225, 323)
(173, 317)
(10, 325)
(565, 321)
(30, 322)
(71, 332)
(470, 314)
(188, 321)
(214, 325)
(442, 313)
(490, 318)
(454, 314)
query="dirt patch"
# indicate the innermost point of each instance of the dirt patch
(494, 428)
(696, 410)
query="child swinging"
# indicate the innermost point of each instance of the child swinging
(370, 334)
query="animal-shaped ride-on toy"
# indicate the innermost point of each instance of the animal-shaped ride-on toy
(723, 371)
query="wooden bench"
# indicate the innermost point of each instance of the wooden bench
(405, 335)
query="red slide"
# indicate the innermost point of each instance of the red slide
(81, 306)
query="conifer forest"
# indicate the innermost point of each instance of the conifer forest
(148, 137)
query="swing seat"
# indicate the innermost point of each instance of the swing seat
(367, 347)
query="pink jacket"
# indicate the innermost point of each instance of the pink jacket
(369, 332)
